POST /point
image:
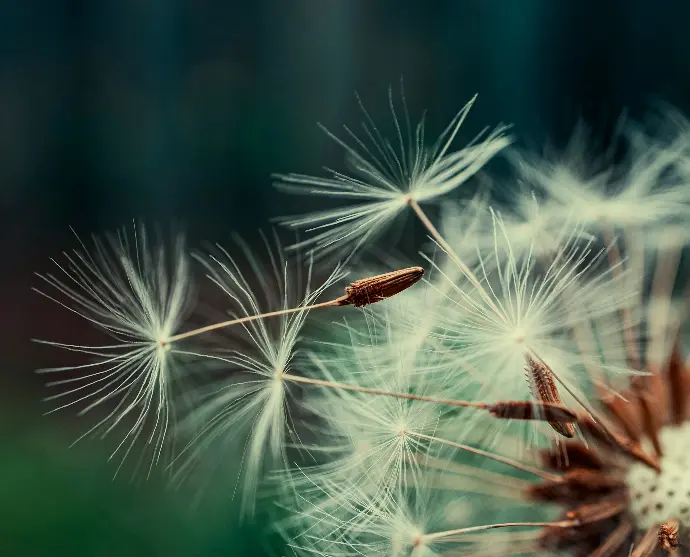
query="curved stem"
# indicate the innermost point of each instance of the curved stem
(246, 319)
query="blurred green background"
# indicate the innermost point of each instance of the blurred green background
(178, 112)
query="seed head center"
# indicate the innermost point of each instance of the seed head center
(519, 335)
(163, 344)
(656, 498)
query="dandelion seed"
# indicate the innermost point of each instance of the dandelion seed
(360, 293)
(376, 434)
(136, 293)
(250, 404)
(361, 525)
(413, 523)
(522, 312)
(385, 180)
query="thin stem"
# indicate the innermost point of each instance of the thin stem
(492, 456)
(408, 396)
(451, 252)
(471, 529)
(246, 319)
(501, 410)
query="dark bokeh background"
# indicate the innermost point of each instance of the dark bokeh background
(178, 112)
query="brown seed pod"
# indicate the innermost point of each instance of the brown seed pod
(543, 387)
(370, 290)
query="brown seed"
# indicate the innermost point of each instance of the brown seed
(543, 387)
(370, 290)
(528, 410)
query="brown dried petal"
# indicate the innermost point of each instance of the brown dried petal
(624, 413)
(594, 512)
(572, 454)
(646, 389)
(616, 440)
(577, 485)
(647, 544)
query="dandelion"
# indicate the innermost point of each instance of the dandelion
(611, 502)
(537, 313)
(138, 295)
(622, 490)
(386, 180)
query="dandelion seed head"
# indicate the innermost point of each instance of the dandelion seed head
(386, 177)
(620, 491)
(368, 443)
(249, 409)
(520, 308)
(137, 292)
